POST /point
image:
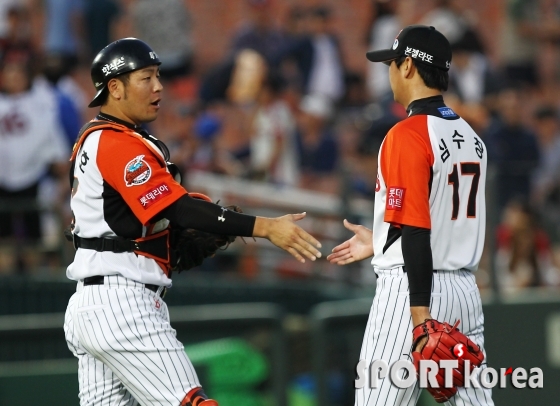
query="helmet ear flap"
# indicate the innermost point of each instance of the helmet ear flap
(100, 98)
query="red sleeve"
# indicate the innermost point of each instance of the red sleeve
(406, 164)
(132, 169)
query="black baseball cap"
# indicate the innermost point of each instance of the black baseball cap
(422, 43)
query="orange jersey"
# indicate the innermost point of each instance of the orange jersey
(431, 174)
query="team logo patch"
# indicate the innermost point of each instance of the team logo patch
(395, 198)
(396, 43)
(446, 112)
(152, 196)
(137, 172)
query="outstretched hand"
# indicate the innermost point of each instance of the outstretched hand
(359, 247)
(284, 233)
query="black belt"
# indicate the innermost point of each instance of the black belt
(100, 280)
(155, 246)
(404, 270)
(106, 244)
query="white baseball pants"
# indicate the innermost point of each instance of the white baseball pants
(388, 334)
(127, 351)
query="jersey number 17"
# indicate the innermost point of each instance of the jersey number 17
(467, 169)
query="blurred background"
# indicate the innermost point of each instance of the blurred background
(272, 105)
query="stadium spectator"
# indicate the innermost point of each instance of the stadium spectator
(31, 145)
(249, 72)
(261, 34)
(63, 29)
(208, 154)
(171, 37)
(273, 149)
(530, 42)
(512, 148)
(326, 75)
(62, 45)
(317, 145)
(524, 257)
(384, 29)
(99, 17)
(296, 62)
(546, 180)
(471, 77)
(451, 18)
(17, 37)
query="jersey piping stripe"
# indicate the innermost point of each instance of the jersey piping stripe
(393, 234)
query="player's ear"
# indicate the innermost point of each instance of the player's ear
(115, 88)
(408, 68)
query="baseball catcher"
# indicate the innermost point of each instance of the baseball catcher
(134, 223)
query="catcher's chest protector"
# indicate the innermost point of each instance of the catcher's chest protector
(120, 181)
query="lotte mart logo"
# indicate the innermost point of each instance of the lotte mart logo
(402, 374)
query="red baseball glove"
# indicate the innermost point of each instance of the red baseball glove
(441, 340)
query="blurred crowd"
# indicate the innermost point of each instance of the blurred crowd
(283, 106)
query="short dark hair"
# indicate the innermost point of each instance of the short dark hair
(433, 77)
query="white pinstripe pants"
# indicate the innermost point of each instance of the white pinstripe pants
(388, 334)
(127, 352)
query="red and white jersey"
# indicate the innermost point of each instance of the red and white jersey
(121, 182)
(431, 174)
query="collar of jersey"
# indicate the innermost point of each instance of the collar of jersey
(418, 106)
(108, 117)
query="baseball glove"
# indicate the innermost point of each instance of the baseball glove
(191, 247)
(442, 339)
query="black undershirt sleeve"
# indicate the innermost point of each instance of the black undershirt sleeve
(205, 216)
(417, 254)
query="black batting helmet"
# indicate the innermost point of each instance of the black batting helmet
(122, 56)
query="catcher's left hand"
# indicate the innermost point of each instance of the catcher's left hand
(441, 340)
(193, 246)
